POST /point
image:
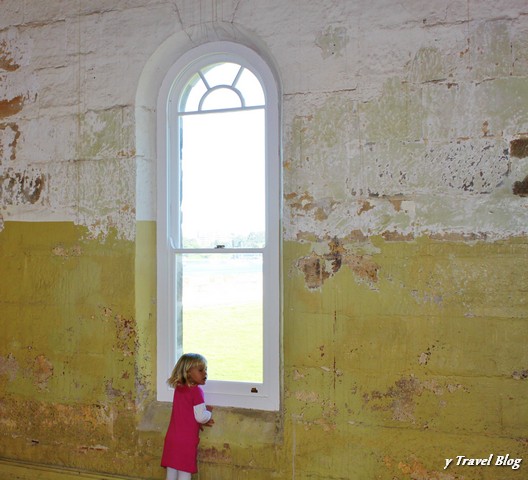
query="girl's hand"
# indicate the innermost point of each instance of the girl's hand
(210, 423)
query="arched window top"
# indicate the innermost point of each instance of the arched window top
(221, 86)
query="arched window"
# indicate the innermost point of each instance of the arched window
(218, 223)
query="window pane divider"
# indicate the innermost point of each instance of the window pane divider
(222, 110)
(218, 250)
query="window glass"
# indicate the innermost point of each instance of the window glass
(222, 313)
(250, 86)
(220, 98)
(193, 93)
(218, 224)
(222, 205)
(223, 73)
(222, 176)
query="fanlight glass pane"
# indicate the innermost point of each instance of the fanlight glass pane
(251, 89)
(192, 94)
(221, 98)
(221, 74)
(222, 313)
(223, 179)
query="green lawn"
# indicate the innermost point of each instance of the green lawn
(230, 337)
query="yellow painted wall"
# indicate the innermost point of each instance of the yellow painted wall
(397, 355)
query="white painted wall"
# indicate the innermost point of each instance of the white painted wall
(397, 116)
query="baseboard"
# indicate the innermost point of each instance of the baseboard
(16, 470)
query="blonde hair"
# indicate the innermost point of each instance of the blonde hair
(183, 365)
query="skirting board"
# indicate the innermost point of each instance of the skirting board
(15, 470)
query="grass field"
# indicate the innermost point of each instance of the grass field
(230, 337)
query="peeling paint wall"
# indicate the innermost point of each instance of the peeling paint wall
(405, 251)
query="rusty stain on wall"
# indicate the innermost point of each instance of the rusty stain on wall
(215, 455)
(400, 398)
(21, 187)
(305, 203)
(396, 203)
(125, 328)
(365, 207)
(485, 128)
(363, 266)
(11, 107)
(519, 147)
(42, 371)
(317, 268)
(314, 270)
(9, 136)
(7, 62)
(337, 251)
(126, 335)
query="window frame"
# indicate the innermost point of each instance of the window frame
(232, 394)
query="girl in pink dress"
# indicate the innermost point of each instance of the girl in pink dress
(189, 413)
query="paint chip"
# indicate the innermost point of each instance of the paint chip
(519, 148)
(521, 188)
(318, 268)
(332, 41)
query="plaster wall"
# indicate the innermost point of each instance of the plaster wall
(405, 252)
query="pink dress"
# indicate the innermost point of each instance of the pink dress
(182, 438)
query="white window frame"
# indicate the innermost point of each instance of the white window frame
(264, 396)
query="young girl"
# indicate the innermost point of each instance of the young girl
(189, 413)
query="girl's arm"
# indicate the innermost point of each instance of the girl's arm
(201, 414)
